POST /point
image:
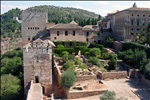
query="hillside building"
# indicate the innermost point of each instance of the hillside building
(129, 23)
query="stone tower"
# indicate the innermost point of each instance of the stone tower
(33, 24)
(37, 51)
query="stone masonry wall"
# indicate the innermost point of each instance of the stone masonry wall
(112, 75)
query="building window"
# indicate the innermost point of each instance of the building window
(38, 28)
(57, 33)
(87, 33)
(55, 38)
(143, 15)
(28, 28)
(31, 28)
(137, 29)
(131, 33)
(74, 33)
(132, 29)
(131, 21)
(35, 27)
(87, 40)
(132, 14)
(66, 33)
(143, 29)
(137, 15)
(138, 22)
(149, 15)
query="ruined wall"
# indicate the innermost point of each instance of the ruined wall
(83, 93)
(112, 75)
(85, 77)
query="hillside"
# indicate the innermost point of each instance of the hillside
(11, 28)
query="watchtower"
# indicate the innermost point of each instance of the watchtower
(33, 24)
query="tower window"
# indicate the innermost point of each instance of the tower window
(137, 29)
(132, 29)
(57, 33)
(31, 28)
(132, 14)
(55, 38)
(66, 33)
(28, 28)
(143, 15)
(38, 28)
(35, 27)
(137, 15)
(149, 15)
(74, 33)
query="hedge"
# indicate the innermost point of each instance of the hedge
(132, 45)
(94, 45)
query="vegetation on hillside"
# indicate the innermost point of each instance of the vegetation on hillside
(11, 28)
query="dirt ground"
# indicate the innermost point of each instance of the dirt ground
(130, 89)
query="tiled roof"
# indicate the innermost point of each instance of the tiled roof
(65, 26)
(90, 27)
(73, 22)
(132, 9)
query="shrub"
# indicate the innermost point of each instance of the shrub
(95, 61)
(94, 45)
(78, 62)
(68, 78)
(95, 52)
(65, 53)
(112, 64)
(83, 66)
(108, 95)
(60, 46)
(69, 65)
(107, 56)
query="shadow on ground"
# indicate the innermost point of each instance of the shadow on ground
(142, 90)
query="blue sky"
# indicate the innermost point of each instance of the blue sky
(99, 7)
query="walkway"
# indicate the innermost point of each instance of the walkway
(35, 92)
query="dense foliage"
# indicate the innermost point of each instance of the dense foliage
(68, 78)
(137, 59)
(9, 26)
(95, 61)
(12, 75)
(132, 45)
(10, 87)
(112, 64)
(67, 14)
(95, 52)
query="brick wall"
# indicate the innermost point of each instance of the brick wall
(112, 75)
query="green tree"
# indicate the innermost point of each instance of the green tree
(60, 46)
(95, 52)
(95, 61)
(10, 87)
(112, 63)
(68, 78)
(108, 95)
